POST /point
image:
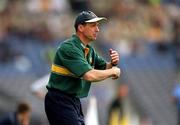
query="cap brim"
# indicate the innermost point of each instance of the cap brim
(97, 19)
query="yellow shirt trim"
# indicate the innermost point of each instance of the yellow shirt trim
(61, 70)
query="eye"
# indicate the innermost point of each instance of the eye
(94, 24)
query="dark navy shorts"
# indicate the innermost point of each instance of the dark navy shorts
(63, 109)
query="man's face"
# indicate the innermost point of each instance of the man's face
(90, 31)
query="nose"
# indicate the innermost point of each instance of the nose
(97, 28)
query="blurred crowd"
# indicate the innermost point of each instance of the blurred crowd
(130, 21)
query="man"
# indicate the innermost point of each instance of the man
(116, 110)
(20, 117)
(75, 66)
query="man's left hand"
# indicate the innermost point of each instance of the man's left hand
(114, 57)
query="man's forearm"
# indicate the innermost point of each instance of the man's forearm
(99, 75)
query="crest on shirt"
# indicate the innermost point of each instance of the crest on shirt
(90, 60)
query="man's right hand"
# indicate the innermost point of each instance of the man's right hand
(116, 72)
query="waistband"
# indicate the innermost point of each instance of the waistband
(62, 92)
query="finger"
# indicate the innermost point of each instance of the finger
(114, 59)
(115, 54)
(112, 52)
(114, 77)
(115, 62)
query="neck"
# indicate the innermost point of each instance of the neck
(83, 39)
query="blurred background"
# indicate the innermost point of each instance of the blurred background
(146, 33)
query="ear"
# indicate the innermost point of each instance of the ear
(80, 28)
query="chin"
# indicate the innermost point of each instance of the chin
(94, 38)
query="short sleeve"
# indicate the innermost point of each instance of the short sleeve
(73, 59)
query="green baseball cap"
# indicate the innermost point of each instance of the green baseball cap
(87, 17)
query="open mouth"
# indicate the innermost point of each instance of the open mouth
(95, 35)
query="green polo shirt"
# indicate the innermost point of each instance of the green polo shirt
(70, 64)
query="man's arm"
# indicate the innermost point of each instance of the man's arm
(99, 75)
(110, 71)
